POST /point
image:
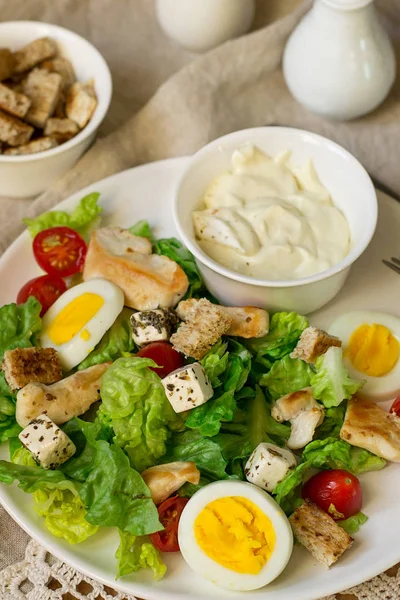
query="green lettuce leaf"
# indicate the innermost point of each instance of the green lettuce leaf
(331, 382)
(30, 478)
(115, 343)
(142, 229)
(9, 427)
(19, 324)
(284, 332)
(189, 446)
(229, 373)
(332, 423)
(176, 251)
(116, 495)
(134, 398)
(251, 425)
(136, 553)
(353, 524)
(83, 218)
(64, 512)
(287, 492)
(287, 375)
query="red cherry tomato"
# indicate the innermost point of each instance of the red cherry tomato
(46, 289)
(335, 491)
(395, 408)
(164, 355)
(60, 251)
(169, 513)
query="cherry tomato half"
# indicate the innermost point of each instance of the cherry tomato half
(164, 355)
(169, 513)
(337, 492)
(59, 251)
(46, 289)
(395, 408)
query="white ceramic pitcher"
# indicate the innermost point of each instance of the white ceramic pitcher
(339, 61)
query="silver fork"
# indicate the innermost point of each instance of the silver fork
(395, 264)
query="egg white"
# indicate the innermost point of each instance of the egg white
(198, 560)
(380, 388)
(73, 352)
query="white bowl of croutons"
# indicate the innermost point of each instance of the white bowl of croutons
(55, 90)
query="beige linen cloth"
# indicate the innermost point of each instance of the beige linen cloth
(168, 102)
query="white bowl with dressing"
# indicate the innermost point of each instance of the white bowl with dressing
(347, 181)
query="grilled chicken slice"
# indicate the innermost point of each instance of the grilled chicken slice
(367, 425)
(63, 400)
(148, 280)
(164, 480)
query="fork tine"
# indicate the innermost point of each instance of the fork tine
(395, 268)
(395, 260)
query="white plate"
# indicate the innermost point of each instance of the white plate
(145, 192)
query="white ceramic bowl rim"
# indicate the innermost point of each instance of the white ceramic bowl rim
(99, 113)
(214, 266)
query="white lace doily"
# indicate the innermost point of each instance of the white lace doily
(33, 578)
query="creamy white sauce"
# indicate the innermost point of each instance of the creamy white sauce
(267, 220)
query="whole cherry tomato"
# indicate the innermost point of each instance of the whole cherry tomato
(46, 289)
(60, 251)
(337, 492)
(169, 513)
(164, 355)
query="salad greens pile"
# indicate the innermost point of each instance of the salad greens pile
(136, 428)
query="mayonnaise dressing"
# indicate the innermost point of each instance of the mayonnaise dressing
(270, 221)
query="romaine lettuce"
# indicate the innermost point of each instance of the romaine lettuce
(136, 553)
(134, 398)
(331, 383)
(287, 375)
(83, 219)
(204, 452)
(353, 524)
(115, 343)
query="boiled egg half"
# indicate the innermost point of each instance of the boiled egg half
(79, 318)
(371, 351)
(235, 535)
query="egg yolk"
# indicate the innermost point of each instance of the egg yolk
(73, 317)
(235, 533)
(373, 350)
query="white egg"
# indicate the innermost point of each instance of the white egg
(376, 388)
(209, 568)
(77, 321)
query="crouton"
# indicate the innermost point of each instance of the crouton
(13, 131)
(43, 88)
(247, 321)
(61, 129)
(205, 324)
(38, 145)
(313, 343)
(7, 63)
(319, 533)
(31, 55)
(81, 102)
(13, 102)
(63, 67)
(367, 425)
(26, 365)
(59, 111)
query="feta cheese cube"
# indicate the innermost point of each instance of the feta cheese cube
(47, 443)
(268, 465)
(187, 387)
(152, 325)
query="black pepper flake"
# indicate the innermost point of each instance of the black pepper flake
(170, 387)
(41, 438)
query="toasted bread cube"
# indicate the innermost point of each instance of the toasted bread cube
(48, 444)
(63, 67)
(13, 102)
(61, 129)
(38, 145)
(34, 53)
(13, 131)
(205, 324)
(81, 102)
(319, 533)
(43, 88)
(27, 365)
(313, 343)
(7, 63)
